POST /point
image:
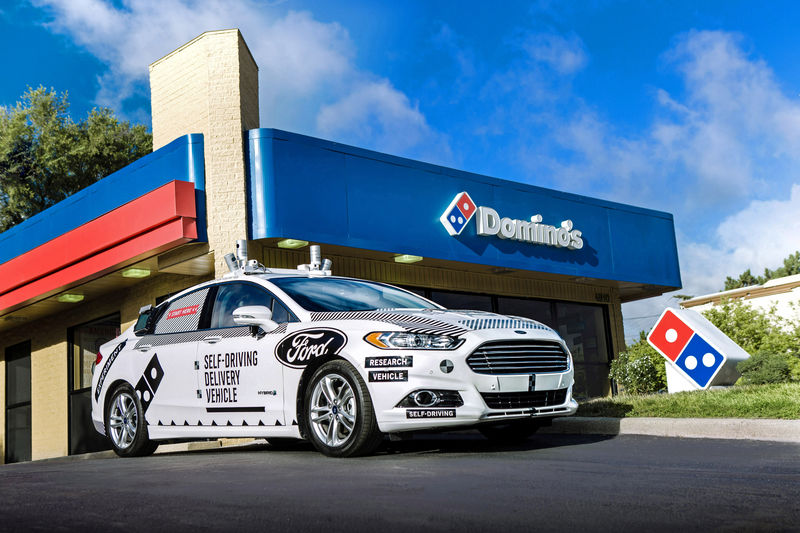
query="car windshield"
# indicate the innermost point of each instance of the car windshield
(337, 294)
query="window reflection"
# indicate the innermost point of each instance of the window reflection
(461, 300)
(584, 328)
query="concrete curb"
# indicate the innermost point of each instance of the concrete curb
(690, 428)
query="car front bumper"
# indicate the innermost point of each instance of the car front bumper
(486, 397)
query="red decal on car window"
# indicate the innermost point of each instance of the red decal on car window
(183, 311)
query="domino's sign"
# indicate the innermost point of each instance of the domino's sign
(490, 224)
(696, 348)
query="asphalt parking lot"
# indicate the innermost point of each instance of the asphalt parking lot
(456, 482)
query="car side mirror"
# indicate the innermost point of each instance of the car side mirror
(142, 323)
(255, 316)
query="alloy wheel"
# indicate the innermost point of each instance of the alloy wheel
(333, 410)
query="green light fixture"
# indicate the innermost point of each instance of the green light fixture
(406, 258)
(136, 273)
(70, 298)
(292, 243)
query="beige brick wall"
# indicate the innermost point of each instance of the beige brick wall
(49, 391)
(210, 86)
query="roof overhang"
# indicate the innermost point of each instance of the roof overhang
(319, 191)
(145, 227)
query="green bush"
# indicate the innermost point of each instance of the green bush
(764, 367)
(772, 341)
(639, 369)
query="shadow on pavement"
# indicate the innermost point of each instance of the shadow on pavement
(474, 442)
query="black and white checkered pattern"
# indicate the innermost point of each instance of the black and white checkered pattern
(192, 336)
(412, 324)
(279, 330)
(182, 323)
(198, 335)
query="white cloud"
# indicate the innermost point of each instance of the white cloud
(306, 67)
(565, 55)
(375, 114)
(729, 134)
(734, 128)
(726, 147)
(759, 236)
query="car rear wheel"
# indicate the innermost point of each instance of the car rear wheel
(339, 418)
(126, 426)
(513, 432)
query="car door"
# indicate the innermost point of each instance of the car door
(168, 387)
(242, 382)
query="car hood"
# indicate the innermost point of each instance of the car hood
(437, 321)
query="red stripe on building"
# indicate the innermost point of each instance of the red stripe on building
(151, 224)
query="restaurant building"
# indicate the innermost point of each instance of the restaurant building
(75, 275)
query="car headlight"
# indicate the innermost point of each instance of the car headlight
(394, 340)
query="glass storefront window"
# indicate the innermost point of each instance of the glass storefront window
(584, 327)
(540, 310)
(18, 403)
(84, 343)
(460, 300)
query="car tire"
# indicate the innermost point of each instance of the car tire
(338, 415)
(126, 427)
(513, 432)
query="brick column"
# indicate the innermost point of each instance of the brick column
(210, 86)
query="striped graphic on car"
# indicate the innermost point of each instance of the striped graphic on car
(412, 324)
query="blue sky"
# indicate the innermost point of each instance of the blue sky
(687, 107)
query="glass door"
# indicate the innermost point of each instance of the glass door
(84, 343)
(18, 403)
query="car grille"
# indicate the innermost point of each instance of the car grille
(518, 357)
(518, 400)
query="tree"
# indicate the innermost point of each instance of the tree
(745, 279)
(45, 156)
(791, 266)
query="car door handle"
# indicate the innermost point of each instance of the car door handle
(212, 339)
(144, 347)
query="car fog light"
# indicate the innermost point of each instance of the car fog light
(432, 398)
(425, 398)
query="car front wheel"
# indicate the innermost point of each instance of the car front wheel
(339, 418)
(126, 426)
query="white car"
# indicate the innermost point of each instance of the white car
(301, 354)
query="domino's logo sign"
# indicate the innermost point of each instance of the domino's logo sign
(686, 349)
(458, 213)
(490, 224)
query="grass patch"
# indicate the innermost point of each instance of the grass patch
(748, 401)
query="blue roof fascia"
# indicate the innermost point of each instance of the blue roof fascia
(181, 159)
(308, 188)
